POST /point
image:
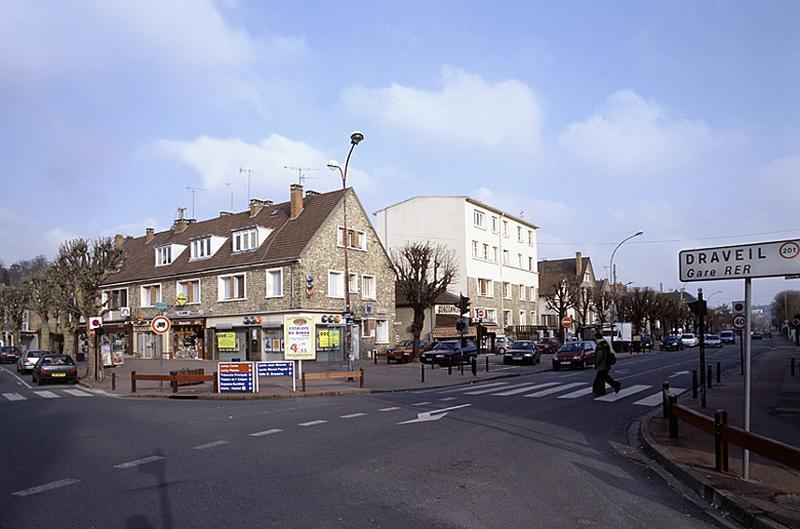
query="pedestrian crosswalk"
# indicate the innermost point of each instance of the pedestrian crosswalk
(43, 394)
(561, 390)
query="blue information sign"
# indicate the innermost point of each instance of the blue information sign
(236, 377)
(275, 369)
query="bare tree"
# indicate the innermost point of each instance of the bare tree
(601, 299)
(14, 301)
(637, 305)
(424, 271)
(784, 306)
(42, 292)
(559, 300)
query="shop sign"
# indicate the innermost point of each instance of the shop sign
(448, 309)
(236, 377)
(275, 369)
(299, 337)
(226, 341)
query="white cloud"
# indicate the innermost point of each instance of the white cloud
(779, 181)
(19, 239)
(466, 111)
(633, 134)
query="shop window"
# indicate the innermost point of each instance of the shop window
(150, 295)
(368, 287)
(190, 289)
(335, 284)
(231, 287)
(275, 283)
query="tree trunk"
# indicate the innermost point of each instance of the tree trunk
(44, 340)
(416, 328)
(68, 330)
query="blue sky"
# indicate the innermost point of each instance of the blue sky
(592, 119)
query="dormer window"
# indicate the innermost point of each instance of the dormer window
(163, 255)
(201, 248)
(245, 240)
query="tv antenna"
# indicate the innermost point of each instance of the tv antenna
(249, 173)
(194, 190)
(230, 185)
(301, 178)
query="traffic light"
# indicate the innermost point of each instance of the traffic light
(698, 307)
(463, 305)
(460, 325)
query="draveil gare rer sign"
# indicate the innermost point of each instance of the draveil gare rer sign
(768, 259)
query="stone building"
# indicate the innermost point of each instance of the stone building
(574, 276)
(227, 283)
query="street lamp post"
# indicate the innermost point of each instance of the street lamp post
(355, 138)
(613, 275)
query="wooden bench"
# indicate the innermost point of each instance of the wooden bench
(174, 379)
(336, 374)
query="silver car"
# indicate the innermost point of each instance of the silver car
(712, 340)
(28, 360)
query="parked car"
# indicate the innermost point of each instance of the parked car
(444, 353)
(501, 344)
(689, 339)
(727, 337)
(575, 354)
(645, 342)
(671, 342)
(403, 352)
(28, 360)
(712, 340)
(524, 351)
(55, 367)
(9, 354)
(548, 345)
(756, 335)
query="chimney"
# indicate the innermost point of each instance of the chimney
(225, 213)
(181, 223)
(257, 205)
(119, 240)
(149, 233)
(578, 265)
(296, 202)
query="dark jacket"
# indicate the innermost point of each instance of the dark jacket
(602, 355)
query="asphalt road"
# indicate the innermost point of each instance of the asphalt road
(534, 451)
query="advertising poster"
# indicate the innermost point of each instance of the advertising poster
(299, 338)
(226, 341)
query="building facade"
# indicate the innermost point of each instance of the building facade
(227, 284)
(496, 252)
(576, 278)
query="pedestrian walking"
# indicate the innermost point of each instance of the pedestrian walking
(603, 360)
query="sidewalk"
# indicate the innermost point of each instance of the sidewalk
(771, 498)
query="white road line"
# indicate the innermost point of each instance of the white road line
(482, 390)
(352, 415)
(137, 462)
(212, 444)
(626, 392)
(445, 399)
(47, 486)
(575, 394)
(312, 423)
(656, 398)
(393, 408)
(475, 386)
(527, 387)
(47, 394)
(424, 403)
(266, 432)
(14, 396)
(678, 373)
(78, 393)
(557, 389)
(17, 377)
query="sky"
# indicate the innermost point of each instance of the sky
(590, 119)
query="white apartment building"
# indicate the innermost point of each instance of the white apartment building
(496, 252)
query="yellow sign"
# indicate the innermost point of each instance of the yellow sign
(226, 340)
(324, 339)
(181, 299)
(298, 338)
(335, 333)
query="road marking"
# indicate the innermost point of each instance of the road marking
(657, 398)
(678, 373)
(473, 387)
(557, 389)
(393, 408)
(14, 396)
(445, 399)
(212, 444)
(137, 462)
(312, 423)
(433, 415)
(266, 432)
(352, 415)
(47, 486)
(425, 403)
(527, 387)
(575, 394)
(627, 392)
(17, 377)
(47, 394)
(482, 390)
(78, 393)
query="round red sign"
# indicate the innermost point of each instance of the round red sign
(566, 321)
(161, 325)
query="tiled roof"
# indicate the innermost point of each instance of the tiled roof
(285, 243)
(553, 271)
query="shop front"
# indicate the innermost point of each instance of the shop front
(146, 343)
(116, 341)
(188, 339)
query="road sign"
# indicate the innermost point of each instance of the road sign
(181, 299)
(160, 305)
(237, 377)
(566, 322)
(95, 322)
(737, 307)
(796, 320)
(739, 321)
(764, 259)
(161, 325)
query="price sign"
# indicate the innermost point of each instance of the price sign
(299, 337)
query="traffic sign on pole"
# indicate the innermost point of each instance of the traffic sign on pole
(566, 322)
(160, 325)
(739, 321)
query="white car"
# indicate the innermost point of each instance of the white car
(713, 340)
(689, 339)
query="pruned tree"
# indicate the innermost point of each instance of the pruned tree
(424, 271)
(13, 303)
(558, 299)
(84, 266)
(638, 306)
(601, 300)
(674, 313)
(42, 292)
(784, 306)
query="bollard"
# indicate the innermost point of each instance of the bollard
(673, 420)
(461, 365)
(450, 366)
(487, 364)
(694, 383)
(791, 365)
(133, 381)
(719, 372)
(708, 375)
(375, 358)
(113, 381)
(720, 444)
(664, 401)
(422, 371)
(474, 366)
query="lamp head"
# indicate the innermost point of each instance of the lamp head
(333, 165)
(638, 233)
(356, 137)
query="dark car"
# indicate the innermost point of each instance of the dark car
(646, 342)
(9, 354)
(671, 342)
(403, 352)
(28, 360)
(523, 351)
(548, 345)
(575, 354)
(450, 352)
(756, 335)
(55, 367)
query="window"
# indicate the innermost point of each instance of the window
(532, 295)
(494, 253)
(368, 328)
(484, 287)
(232, 287)
(356, 239)
(353, 283)
(163, 255)
(474, 248)
(530, 237)
(245, 240)
(478, 218)
(505, 257)
(150, 295)
(486, 252)
(507, 290)
(522, 292)
(519, 233)
(533, 318)
(275, 283)
(522, 317)
(335, 284)
(382, 331)
(507, 318)
(519, 260)
(190, 289)
(368, 287)
(530, 264)
(491, 315)
(116, 298)
(494, 224)
(505, 228)
(201, 248)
